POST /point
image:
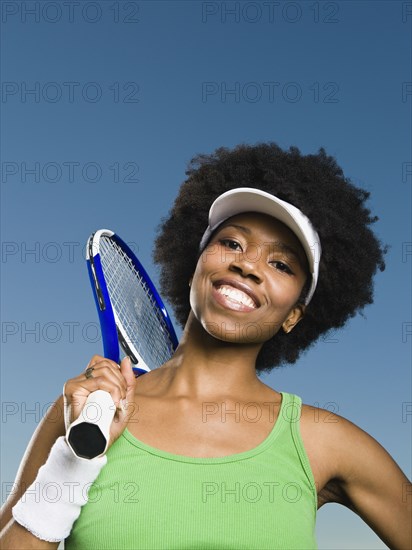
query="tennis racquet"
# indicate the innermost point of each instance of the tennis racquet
(131, 314)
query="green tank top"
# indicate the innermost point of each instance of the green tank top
(145, 498)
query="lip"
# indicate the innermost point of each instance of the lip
(240, 286)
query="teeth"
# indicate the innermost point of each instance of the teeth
(236, 295)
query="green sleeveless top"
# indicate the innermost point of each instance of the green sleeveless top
(145, 498)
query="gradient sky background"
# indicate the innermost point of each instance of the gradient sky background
(125, 94)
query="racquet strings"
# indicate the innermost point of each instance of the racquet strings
(134, 305)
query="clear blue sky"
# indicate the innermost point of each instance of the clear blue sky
(104, 103)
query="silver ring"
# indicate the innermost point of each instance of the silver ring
(89, 372)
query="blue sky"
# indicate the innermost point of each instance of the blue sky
(104, 103)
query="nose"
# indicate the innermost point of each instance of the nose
(246, 265)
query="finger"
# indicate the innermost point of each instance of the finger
(77, 392)
(98, 362)
(98, 359)
(130, 378)
(126, 371)
(106, 370)
(111, 373)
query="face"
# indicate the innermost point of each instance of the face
(248, 280)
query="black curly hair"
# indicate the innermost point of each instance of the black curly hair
(316, 185)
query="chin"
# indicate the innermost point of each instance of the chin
(236, 333)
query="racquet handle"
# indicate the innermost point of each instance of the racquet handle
(88, 436)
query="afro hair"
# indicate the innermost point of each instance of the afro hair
(351, 254)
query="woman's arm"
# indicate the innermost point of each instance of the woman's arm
(16, 537)
(49, 429)
(373, 484)
(47, 447)
(13, 535)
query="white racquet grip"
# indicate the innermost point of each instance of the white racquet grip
(53, 502)
(88, 436)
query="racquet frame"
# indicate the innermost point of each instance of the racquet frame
(113, 331)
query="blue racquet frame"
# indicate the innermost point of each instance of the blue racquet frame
(110, 334)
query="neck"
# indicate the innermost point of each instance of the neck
(204, 366)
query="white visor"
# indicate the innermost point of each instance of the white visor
(247, 199)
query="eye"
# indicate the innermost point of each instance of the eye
(230, 243)
(281, 266)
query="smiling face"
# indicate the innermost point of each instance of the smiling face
(248, 280)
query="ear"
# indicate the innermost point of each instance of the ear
(295, 315)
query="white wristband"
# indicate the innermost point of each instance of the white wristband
(53, 501)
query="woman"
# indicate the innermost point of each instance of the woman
(205, 455)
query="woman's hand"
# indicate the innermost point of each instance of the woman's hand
(107, 376)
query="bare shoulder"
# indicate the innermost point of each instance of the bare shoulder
(341, 446)
(354, 469)
(343, 443)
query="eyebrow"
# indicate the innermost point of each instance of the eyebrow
(283, 247)
(288, 250)
(241, 227)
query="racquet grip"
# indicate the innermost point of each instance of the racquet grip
(88, 436)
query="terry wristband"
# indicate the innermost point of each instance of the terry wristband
(54, 500)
